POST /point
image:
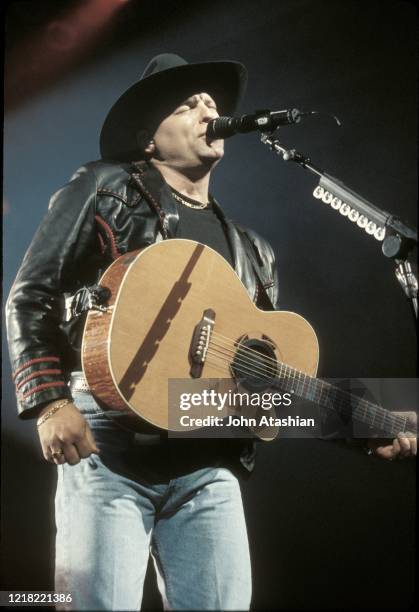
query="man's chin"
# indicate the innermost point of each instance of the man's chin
(209, 161)
(214, 145)
(212, 154)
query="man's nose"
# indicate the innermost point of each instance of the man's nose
(206, 112)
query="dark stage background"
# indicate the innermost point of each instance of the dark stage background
(328, 526)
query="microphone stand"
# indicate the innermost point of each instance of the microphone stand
(398, 238)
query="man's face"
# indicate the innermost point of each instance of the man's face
(181, 140)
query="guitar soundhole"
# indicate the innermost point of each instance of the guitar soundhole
(254, 365)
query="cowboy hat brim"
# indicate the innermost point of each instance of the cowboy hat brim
(143, 106)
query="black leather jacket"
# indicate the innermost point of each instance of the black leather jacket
(104, 211)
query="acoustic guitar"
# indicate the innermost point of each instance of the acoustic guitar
(177, 311)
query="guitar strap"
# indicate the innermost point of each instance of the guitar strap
(86, 298)
(263, 298)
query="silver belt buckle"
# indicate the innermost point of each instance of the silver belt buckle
(78, 382)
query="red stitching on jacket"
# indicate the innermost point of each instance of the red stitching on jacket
(151, 200)
(108, 230)
(135, 201)
(43, 386)
(104, 191)
(31, 361)
(36, 375)
(101, 243)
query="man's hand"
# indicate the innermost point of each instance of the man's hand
(66, 436)
(405, 445)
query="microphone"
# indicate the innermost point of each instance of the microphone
(262, 121)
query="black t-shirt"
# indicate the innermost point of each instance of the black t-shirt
(204, 226)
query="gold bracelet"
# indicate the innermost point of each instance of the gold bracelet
(52, 411)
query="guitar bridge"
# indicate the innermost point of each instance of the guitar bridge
(200, 342)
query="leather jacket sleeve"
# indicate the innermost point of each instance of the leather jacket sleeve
(92, 220)
(35, 304)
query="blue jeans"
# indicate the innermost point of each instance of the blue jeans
(113, 510)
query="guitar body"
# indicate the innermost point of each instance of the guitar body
(157, 298)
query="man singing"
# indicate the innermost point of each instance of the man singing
(121, 494)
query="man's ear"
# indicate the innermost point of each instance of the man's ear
(143, 139)
(150, 148)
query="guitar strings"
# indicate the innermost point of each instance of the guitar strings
(243, 365)
(283, 367)
(395, 420)
(243, 351)
(240, 357)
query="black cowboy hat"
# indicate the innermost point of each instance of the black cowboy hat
(167, 80)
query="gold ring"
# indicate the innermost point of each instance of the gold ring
(57, 453)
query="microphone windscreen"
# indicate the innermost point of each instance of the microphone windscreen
(220, 128)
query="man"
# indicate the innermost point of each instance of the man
(121, 494)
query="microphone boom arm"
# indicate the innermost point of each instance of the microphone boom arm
(397, 237)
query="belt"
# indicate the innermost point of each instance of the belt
(78, 382)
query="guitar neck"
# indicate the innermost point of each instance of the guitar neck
(347, 404)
